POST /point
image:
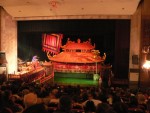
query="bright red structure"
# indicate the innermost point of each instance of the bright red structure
(78, 57)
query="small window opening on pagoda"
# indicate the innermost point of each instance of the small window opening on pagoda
(67, 50)
(78, 50)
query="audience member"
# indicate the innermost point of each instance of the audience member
(36, 108)
(70, 99)
(102, 108)
(120, 107)
(30, 99)
(65, 105)
(89, 107)
(91, 98)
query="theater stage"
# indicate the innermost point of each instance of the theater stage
(81, 79)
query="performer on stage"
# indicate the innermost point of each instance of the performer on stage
(35, 61)
(35, 58)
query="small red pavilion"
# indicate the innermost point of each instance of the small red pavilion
(78, 57)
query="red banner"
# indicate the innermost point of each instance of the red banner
(52, 43)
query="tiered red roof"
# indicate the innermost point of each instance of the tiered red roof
(72, 45)
(78, 52)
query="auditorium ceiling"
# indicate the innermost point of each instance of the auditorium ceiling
(51, 8)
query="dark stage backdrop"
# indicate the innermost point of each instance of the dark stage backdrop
(106, 35)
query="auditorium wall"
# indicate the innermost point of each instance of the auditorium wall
(8, 39)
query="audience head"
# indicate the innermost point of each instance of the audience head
(30, 99)
(133, 101)
(102, 107)
(141, 98)
(89, 106)
(120, 107)
(37, 108)
(65, 103)
(7, 95)
(90, 96)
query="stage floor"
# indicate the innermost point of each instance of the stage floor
(74, 79)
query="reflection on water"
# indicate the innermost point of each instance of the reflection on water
(75, 81)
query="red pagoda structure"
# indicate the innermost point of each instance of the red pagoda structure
(78, 57)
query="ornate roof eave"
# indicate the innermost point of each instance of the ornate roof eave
(79, 62)
(83, 46)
